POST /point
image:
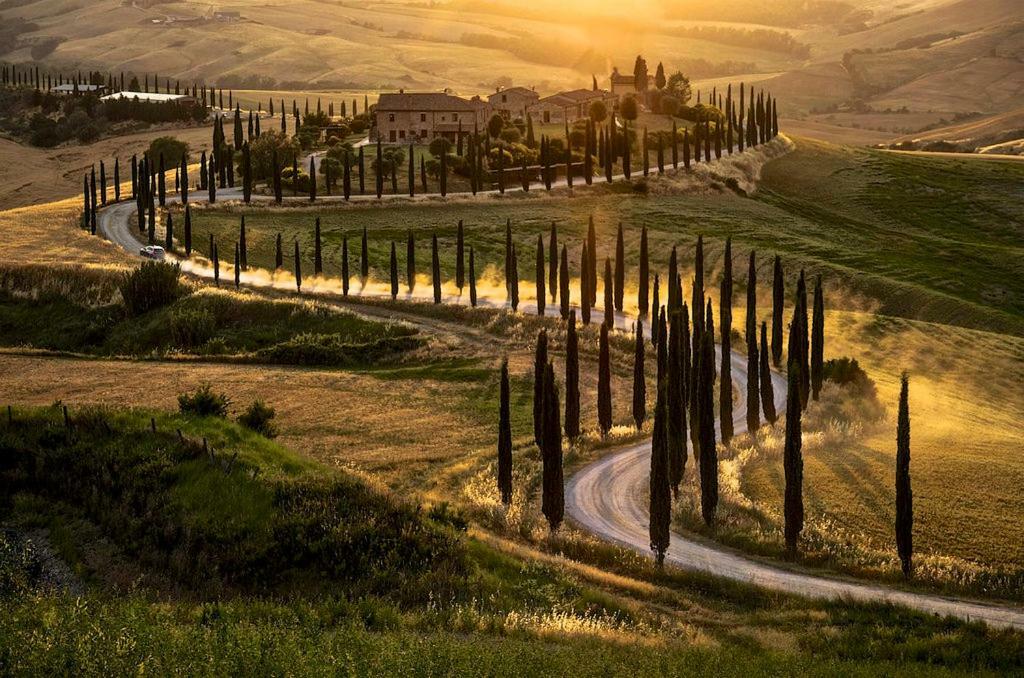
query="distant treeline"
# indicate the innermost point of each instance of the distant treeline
(760, 38)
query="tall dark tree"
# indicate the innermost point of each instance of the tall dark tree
(505, 439)
(216, 264)
(553, 262)
(364, 258)
(472, 278)
(508, 255)
(609, 307)
(802, 346)
(162, 183)
(673, 277)
(818, 340)
(767, 389)
(778, 298)
(725, 317)
(584, 276)
(572, 380)
(660, 482)
(514, 286)
(620, 270)
(904, 494)
(753, 392)
(238, 268)
(243, 249)
(563, 275)
(655, 309)
(169, 233)
(435, 268)
(792, 458)
(460, 258)
(553, 499)
(639, 378)
(117, 182)
(312, 180)
(645, 273)
(676, 402)
(540, 361)
(394, 271)
(318, 258)
(410, 261)
(298, 268)
(344, 264)
(604, 385)
(706, 420)
(541, 264)
(188, 231)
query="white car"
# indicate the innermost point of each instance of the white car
(152, 252)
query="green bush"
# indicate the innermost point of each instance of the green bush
(204, 402)
(257, 417)
(191, 327)
(332, 349)
(171, 148)
(151, 285)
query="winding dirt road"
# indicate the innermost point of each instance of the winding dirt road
(608, 497)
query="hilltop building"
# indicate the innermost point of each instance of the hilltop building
(405, 117)
(512, 102)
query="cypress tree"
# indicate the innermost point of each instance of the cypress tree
(753, 394)
(620, 270)
(706, 416)
(592, 264)
(572, 380)
(639, 378)
(725, 315)
(792, 460)
(216, 264)
(298, 268)
(412, 171)
(364, 258)
(660, 483)
(162, 183)
(460, 249)
(563, 282)
(645, 272)
(655, 309)
(609, 310)
(673, 277)
(584, 276)
(169, 234)
(778, 296)
(103, 183)
(312, 180)
(504, 439)
(410, 261)
(238, 268)
(604, 385)
(540, 361)
(508, 256)
(117, 183)
(435, 268)
(553, 262)
(904, 494)
(344, 264)
(541, 262)
(394, 272)
(767, 390)
(211, 180)
(802, 347)
(279, 254)
(676, 402)
(318, 260)
(818, 340)
(553, 500)
(686, 148)
(472, 278)
(362, 171)
(188, 231)
(514, 287)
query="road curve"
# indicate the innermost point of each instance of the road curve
(608, 497)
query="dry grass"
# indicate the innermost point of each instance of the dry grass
(49, 234)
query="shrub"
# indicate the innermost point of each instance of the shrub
(443, 514)
(203, 402)
(171, 148)
(191, 327)
(257, 417)
(151, 285)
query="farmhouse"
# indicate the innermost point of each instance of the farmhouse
(626, 84)
(567, 107)
(512, 102)
(79, 88)
(152, 97)
(405, 117)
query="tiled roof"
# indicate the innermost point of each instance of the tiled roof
(423, 101)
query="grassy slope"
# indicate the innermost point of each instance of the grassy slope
(546, 614)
